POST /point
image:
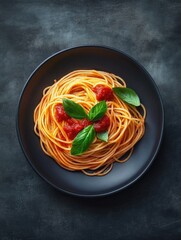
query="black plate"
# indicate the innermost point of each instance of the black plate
(136, 77)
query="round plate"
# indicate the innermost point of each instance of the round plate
(136, 77)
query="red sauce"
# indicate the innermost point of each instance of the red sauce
(73, 126)
(60, 113)
(102, 124)
(103, 92)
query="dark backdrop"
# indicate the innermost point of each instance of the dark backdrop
(149, 31)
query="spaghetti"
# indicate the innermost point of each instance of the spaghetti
(125, 130)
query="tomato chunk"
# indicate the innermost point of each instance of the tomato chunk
(102, 124)
(103, 92)
(60, 113)
(73, 126)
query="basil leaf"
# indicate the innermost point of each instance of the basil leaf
(127, 95)
(83, 140)
(103, 136)
(97, 111)
(73, 109)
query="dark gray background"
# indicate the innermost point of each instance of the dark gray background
(149, 31)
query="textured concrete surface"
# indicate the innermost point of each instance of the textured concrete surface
(149, 31)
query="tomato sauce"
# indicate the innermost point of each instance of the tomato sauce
(60, 113)
(73, 126)
(103, 92)
(102, 124)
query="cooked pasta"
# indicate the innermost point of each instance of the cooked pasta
(126, 126)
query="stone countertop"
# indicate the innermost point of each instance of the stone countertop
(31, 31)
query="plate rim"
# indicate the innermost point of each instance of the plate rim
(160, 136)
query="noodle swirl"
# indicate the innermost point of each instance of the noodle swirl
(125, 130)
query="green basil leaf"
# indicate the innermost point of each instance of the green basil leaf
(83, 140)
(97, 111)
(73, 109)
(103, 136)
(127, 95)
